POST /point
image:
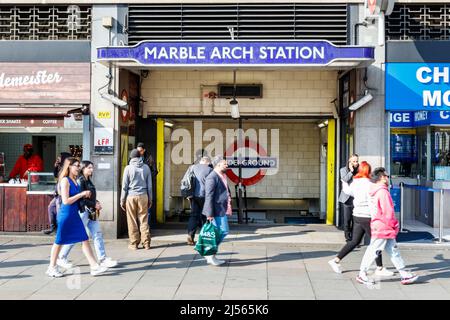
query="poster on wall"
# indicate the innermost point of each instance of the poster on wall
(104, 140)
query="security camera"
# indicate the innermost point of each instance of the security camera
(358, 104)
(114, 100)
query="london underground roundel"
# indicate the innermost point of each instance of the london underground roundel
(250, 157)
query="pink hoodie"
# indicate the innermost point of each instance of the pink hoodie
(384, 224)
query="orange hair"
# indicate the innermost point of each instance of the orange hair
(364, 170)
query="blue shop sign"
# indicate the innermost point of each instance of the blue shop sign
(424, 118)
(417, 86)
(235, 53)
(401, 119)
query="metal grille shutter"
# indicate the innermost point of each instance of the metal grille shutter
(419, 22)
(250, 21)
(45, 22)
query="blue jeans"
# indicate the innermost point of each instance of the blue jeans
(222, 224)
(388, 245)
(93, 230)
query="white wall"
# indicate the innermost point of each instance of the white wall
(284, 92)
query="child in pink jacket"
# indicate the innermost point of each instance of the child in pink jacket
(384, 229)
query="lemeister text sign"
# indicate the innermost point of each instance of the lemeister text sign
(417, 86)
(51, 83)
(235, 53)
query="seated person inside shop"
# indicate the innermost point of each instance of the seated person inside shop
(26, 163)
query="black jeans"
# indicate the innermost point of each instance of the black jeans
(348, 220)
(361, 226)
(196, 219)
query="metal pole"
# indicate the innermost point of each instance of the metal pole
(441, 216)
(241, 209)
(402, 205)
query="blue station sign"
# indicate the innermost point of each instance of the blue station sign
(417, 86)
(236, 53)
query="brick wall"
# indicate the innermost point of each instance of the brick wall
(284, 92)
(298, 175)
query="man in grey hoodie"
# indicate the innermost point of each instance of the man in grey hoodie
(135, 199)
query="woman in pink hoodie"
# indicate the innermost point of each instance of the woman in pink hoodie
(384, 229)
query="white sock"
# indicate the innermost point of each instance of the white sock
(404, 273)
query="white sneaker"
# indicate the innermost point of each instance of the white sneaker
(364, 279)
(335, 266)
(213, 260)
(108, 263)
(410, 278)
(95, 271)
(383, 272)
(53, 272)
(64, 263)
(218, 262)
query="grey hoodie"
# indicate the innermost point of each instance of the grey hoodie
(137, 180)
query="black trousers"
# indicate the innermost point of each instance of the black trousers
(196, 219)
(348, 220)
(361, 226)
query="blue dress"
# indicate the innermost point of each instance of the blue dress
(70, 228)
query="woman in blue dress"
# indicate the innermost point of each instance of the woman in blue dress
(70, 227)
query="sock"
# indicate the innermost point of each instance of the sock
(404, 273)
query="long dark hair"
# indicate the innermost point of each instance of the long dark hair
(65, 170)
(84, 165)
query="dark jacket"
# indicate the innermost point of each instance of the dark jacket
(148, 160)
(87, 185)
(201, 171)
(346, 176)
(216, 196)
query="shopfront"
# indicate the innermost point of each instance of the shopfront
(43, 108)
(287, 101)
(417, 99)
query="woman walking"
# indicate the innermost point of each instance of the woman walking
(385, 228)
(88, 213)
(70, 227)
(359, 189)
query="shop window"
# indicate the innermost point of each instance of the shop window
(403, 153)
(441, 151)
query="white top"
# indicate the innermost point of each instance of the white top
(359, 190)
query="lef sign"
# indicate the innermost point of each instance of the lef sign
(104, 140)
(52, 83)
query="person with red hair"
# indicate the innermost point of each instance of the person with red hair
(359, 189)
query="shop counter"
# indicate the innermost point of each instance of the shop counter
(22, 210)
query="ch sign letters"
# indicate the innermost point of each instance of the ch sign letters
(417, 86)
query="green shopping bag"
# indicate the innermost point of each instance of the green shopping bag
(208, 240)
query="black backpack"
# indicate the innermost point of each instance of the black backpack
(188, 183)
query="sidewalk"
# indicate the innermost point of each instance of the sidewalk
(261, 264)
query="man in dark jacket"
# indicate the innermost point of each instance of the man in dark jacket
(346, 174)
(135, 199)
(217, 206)
(197, 219)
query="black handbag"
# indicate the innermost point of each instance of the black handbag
(92, 213)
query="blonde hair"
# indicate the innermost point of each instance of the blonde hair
(65, 169)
